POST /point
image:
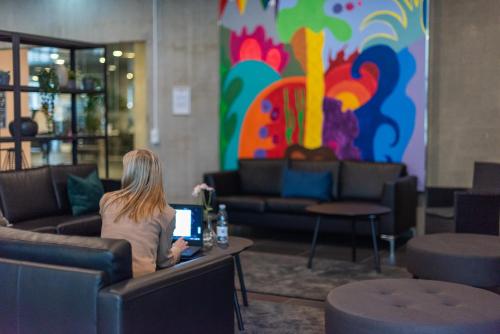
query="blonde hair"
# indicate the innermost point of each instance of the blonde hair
(142, 193)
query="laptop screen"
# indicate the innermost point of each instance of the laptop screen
(188, 223)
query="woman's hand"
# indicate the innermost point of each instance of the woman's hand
(178, 247)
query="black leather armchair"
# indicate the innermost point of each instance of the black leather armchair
(61, 284)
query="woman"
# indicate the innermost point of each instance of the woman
(139, 213)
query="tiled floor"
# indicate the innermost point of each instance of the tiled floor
(298, 243)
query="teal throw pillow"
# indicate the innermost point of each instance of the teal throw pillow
(316, 185)
(84, 193)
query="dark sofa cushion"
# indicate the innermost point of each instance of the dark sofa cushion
(243, 203)
(85, 193)
(113, 257)
(320, 166)
(365, 180)
(27, 194)
(288, 205)
(92, 222)
(261, 176)
(60, 175)
(304, 184)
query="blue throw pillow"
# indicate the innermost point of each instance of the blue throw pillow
(84, 193)
(316, 185)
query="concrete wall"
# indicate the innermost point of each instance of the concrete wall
(188, 55)
(464, 104)
(464, 99)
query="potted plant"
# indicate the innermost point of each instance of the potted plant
(49, 87)
(90, 82)
(91, 112)
(71, 80)
(4, 77)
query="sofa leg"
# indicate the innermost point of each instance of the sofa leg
(392, 246)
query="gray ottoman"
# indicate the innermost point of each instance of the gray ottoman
(404, 306)
(471, 259)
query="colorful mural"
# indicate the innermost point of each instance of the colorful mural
(348, 75)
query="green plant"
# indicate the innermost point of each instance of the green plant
(92, 119)
(49, 87)
(71, 75)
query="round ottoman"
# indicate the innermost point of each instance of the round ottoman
(472, 259)
(405, 306)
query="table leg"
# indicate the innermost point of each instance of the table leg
(353, 239)
(315, 238)
(376, 258)
(241, 279)
(237, 310)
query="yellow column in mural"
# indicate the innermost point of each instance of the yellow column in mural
(315, 88)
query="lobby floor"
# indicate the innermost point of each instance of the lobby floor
(329, 246)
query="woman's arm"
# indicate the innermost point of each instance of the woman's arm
(167, 255)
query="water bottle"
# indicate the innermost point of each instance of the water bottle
(221, 227)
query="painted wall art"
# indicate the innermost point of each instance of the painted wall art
(347, 75)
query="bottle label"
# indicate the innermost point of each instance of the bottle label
(222, 233)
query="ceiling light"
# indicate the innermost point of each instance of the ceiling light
(34, 78)
(60, 61)
(117, 53)
(130, 76)
(102, 60)
(54, 56)
(112, 68)
(130, 105)
(130, 55)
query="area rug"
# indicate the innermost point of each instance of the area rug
(262, 317)
(287, 275)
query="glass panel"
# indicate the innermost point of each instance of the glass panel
(127, 113)
(39, 63)
(50, 152)
(52, 113)
(90, 114)
(6, 112)
(92, 151)
(6, 63)
(89, 68)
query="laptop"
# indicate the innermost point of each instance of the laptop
(189, 225)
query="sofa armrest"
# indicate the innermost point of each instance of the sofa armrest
(401, 197)
(190, 297)
(111, 185)
(441, 196)
(225, 183)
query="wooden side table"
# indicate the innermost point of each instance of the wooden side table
(354, 211)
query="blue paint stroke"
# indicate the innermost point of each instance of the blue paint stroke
(370, 116)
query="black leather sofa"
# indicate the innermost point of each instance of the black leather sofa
(36, 199)
(252, 194)
(71, 284)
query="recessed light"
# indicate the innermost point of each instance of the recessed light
(117, 53)
(60, 61)
(129, 55)
(102, 60)
(54, 56)
(130, 76)
(112, 68)
(34, 78)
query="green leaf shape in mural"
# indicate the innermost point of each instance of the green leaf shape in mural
(228, 124)
(310, 14)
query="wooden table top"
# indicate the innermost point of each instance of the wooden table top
(348, 209)
(236, 246)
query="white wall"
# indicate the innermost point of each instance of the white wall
(188, 55)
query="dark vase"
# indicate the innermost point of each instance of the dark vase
(29, 128)
(88, 83)
(4, 78)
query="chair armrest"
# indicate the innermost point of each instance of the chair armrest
(225, 183)
(441, 196)
(190, 297)
(111, 185)
(401, 197)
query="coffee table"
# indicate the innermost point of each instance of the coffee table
(353, 211)
(235, 247)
